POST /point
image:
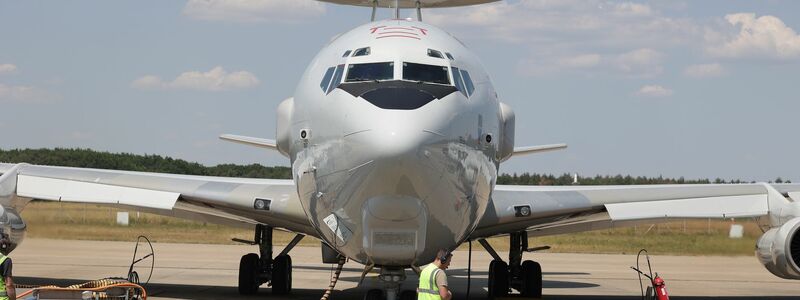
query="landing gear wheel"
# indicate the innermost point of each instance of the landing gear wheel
(374, 295)
(531, 279)
(498, 279)
(408, 295)
(282, 275)
(248, 274)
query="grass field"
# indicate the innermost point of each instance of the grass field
(92, 222)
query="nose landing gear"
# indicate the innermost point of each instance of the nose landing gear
(391, 279)
(523, 276)
(257, 269)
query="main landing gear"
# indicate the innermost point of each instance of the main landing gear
(257, 269)
(523, 276)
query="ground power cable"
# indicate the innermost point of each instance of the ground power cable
(334, 278)
(469, 268)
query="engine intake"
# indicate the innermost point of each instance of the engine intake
(779, 250)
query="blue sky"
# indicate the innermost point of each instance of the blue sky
(701, 89)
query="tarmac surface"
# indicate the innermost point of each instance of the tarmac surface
(195, 271)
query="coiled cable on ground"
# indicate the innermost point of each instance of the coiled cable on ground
(134, 291)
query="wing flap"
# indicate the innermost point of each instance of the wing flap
(706, 207)
(76, 191)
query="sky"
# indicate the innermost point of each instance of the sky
(700, 89)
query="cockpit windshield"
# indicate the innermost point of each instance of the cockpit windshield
(425, 73)
(370, 72)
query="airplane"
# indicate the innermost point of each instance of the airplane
(395, 135)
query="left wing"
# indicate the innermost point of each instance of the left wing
(548, 210)
(222, 200)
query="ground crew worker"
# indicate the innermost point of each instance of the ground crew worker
(433, 280)
(7, 290)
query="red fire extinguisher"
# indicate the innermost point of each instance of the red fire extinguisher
(661, 288)
(657, 285)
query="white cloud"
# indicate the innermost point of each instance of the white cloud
(643, 62)
(567, 24)
(7, 68)
(632, 9)
(215, 80)
(762, 37)
(654, 91)
(282, 11)
(704, 70)
(24, 94)
(558, 33)
(580, 61)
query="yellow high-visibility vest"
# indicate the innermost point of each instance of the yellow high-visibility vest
(427, 289)
(3, 293)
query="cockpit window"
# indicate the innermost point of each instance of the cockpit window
(468, 82)
(326, 80)
(450, 56)
(435, 53)
(337, 78)
(459, 83)
(425, 73)
(361, 52)
(370, 72)
(347, 53)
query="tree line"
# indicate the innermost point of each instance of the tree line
(87, 158)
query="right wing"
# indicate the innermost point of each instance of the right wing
(221, 200)
(569, 209)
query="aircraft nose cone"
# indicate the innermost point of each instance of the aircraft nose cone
(397, 142)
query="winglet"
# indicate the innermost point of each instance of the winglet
(537, 149)
(252, 141)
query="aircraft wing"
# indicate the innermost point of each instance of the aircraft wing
(221, 200)
(568, 209)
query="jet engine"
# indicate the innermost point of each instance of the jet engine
(12, 227)
(779, 250)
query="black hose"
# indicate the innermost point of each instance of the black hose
(135, 261)
(469, 268)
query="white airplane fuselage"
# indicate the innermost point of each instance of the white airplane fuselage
(390, 170)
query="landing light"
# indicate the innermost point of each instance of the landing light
(261, 204)
(523, 210)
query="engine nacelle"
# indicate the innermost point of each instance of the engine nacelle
(779, 250)
(284, 126)
(12, 227)
(507, 120)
